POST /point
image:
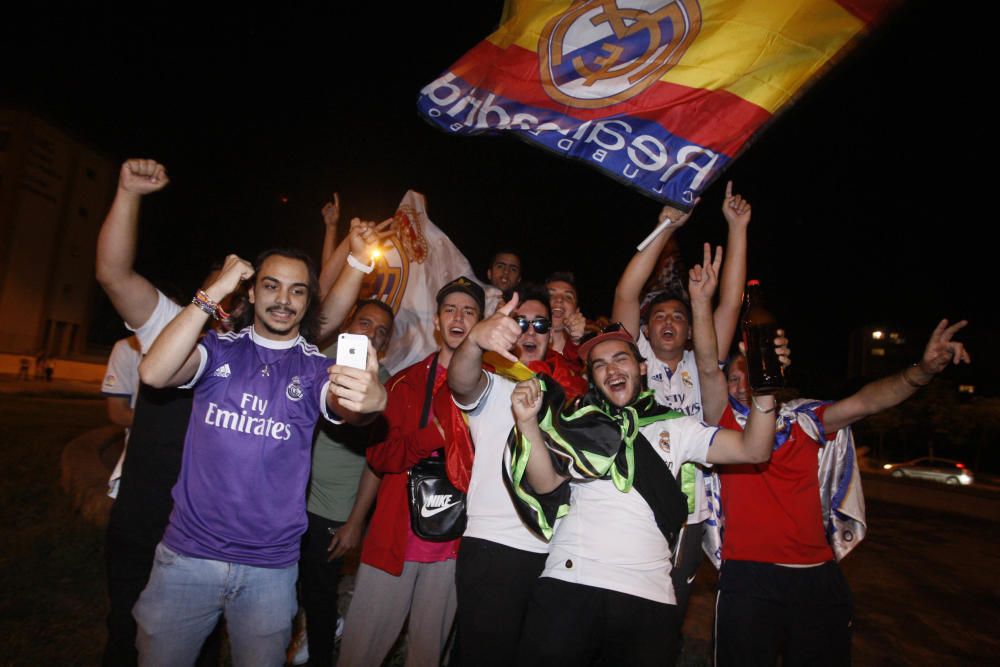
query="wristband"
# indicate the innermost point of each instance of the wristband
(209, 307)
(202, 300)
(760, 409)
(363, 268)
(907, 380)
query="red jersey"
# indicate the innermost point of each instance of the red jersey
(772, 510)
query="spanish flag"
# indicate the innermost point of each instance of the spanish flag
(659, 94)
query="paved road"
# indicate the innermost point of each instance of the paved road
(926, 584)
(926, 588)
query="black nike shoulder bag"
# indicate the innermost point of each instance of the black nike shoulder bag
(437, 508)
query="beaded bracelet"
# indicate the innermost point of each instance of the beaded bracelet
(209, 307)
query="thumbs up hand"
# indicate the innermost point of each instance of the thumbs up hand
(499, 332)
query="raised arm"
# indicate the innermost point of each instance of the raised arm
(497, 333)
(331, 216)
(702, 281)
(334, 254)
(629, 289)
(882, 394)
(133, 297)
(526, 401)
(362, 240)
(736, 210)
(173, 360)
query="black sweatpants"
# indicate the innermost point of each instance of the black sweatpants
(494, 584)
(572, 624)
(764, 611)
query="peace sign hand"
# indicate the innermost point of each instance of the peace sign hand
(942, 350)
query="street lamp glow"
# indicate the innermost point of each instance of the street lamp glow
(877, 335)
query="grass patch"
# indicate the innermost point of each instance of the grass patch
(51, 563)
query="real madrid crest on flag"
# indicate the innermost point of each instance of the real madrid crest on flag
(661, 95)
(596, 53)
(416, 261)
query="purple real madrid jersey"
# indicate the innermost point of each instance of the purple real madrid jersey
(241, 494)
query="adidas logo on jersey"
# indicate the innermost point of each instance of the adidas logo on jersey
(222, 371)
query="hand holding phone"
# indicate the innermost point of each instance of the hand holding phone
(352, 350)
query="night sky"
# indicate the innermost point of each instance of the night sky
(866, 209)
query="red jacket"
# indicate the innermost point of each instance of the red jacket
(406, 443)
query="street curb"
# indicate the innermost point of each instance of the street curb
(84, 475)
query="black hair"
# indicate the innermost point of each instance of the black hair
(533, 292)
(663, 297)
(639, 359)
(562, 276)
(381, 305)
(503, 251)
(312, 321)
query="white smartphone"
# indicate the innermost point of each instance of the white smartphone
(352, 350)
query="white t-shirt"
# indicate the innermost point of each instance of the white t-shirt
(147, 332)
(679, 390)
(609, 539)
(489, 508)
(121, 379)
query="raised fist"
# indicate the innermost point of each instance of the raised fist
(526, 400)
(141, 177)
(234, 271)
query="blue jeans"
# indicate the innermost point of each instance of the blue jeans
(184, 597)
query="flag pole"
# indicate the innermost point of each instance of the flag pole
(653, 234)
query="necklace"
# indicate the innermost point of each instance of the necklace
(265, 370)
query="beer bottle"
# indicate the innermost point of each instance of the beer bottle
(759, 331)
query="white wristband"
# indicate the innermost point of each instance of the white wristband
(363, 268)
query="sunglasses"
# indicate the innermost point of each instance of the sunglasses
(611, 328)
(541, 325)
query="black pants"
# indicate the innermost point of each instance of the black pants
(318, 581)
(686, 564)
(494, 584)
(129, 559)
(573, 624)
(765, 611)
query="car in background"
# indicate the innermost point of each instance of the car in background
(935, 469)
